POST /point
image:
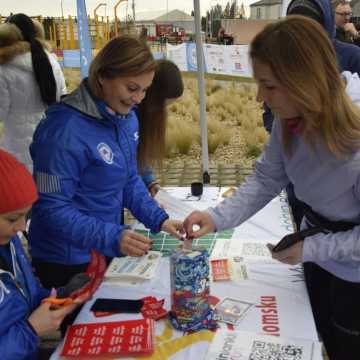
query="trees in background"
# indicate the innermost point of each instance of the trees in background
(212, 22)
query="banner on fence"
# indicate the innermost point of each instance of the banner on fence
(84, 39)
(219, 59)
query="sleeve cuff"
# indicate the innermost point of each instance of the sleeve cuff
(32, 329)
(163, 219)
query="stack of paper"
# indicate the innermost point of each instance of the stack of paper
(130, 268)
(120, 338)
(176, 208)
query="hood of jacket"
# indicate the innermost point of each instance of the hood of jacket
(352, 86)
(328, 14)
(12, 44)
(82, 100)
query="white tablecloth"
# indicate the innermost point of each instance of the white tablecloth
(278, 291)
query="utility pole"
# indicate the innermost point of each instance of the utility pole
(62, 10)
(133, 10)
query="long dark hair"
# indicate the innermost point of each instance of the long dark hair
(43, 71)
(167, 84)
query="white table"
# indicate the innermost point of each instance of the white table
(271, 285)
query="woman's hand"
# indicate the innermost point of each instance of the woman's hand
(292, 255)
(44, 320)
(203, 220)
(134, 244)
(173, 227)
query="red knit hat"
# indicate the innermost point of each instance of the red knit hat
(17, 187)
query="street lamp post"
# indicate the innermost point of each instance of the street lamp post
(115, 16)
(97, 45)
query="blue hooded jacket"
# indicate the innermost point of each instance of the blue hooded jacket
(348, 55)
(17, 338)
(86, 172)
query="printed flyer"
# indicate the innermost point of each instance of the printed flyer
(120, 338)
(243, 345)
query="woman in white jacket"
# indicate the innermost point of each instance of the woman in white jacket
(30, 80)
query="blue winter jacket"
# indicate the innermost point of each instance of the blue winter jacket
(148, 176)
(17, 338)
(86, 172)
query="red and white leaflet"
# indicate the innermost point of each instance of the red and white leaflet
(95, 271)
(115, 339)
(220, 269)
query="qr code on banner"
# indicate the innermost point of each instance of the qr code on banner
(262, 350)
(254, 249)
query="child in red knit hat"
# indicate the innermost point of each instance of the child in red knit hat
(23, 316)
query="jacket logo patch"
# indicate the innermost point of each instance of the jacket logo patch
(136, 136)
(106, 153)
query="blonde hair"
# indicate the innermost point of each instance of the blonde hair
(303, 60)
(122, 56)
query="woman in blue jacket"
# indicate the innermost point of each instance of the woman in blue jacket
(23, 317)
(85, 167)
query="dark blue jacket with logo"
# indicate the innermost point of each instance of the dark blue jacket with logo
(17, 338)
(86, 172)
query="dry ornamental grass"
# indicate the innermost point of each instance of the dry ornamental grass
(234, 120)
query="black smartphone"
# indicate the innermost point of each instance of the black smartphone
(286, 242)
(291, 239)
(117, 305)
(76, 282)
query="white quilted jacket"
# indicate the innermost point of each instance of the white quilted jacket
(21, 107)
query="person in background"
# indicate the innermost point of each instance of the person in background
(348, 55)
(85, 167)
(345, 29)
(143, 34)
(30, 80)
(23, 315)
(221, 35)
(315, 144)
(166, 87)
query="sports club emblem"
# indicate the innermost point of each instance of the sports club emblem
(106, 153)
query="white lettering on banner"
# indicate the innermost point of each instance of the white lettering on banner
(269, 317)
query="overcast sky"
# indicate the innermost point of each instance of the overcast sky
(53, 7)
